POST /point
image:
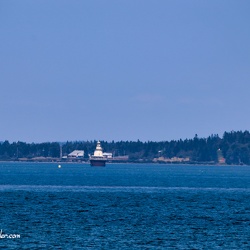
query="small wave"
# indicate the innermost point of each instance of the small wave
(141, 189)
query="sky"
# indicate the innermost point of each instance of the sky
(123, 69)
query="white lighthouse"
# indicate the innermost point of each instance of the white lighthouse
(97, 159)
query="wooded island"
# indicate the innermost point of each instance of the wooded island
(232, 148)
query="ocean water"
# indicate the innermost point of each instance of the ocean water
(124, 206)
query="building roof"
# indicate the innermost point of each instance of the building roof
(76, 153)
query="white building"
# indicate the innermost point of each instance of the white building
(76, 154)
(108, 155)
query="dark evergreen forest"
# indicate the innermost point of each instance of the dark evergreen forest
(234, 147)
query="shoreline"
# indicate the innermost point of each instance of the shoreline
(134, 162)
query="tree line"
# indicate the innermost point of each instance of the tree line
(234, 147)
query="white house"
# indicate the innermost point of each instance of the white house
(108, 155)
(76, 154)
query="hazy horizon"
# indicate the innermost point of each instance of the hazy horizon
(109, 141)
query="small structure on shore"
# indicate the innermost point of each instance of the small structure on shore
(76, 154)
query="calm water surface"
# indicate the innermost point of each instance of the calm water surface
(124, 206)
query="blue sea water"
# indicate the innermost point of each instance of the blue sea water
(124, 206)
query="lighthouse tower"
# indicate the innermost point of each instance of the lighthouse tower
(97, 159)
(98, 150)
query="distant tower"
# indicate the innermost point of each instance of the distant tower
(60, 151)
(98, 150)
(97, 159)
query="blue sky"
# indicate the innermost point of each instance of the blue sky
(123, 70)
